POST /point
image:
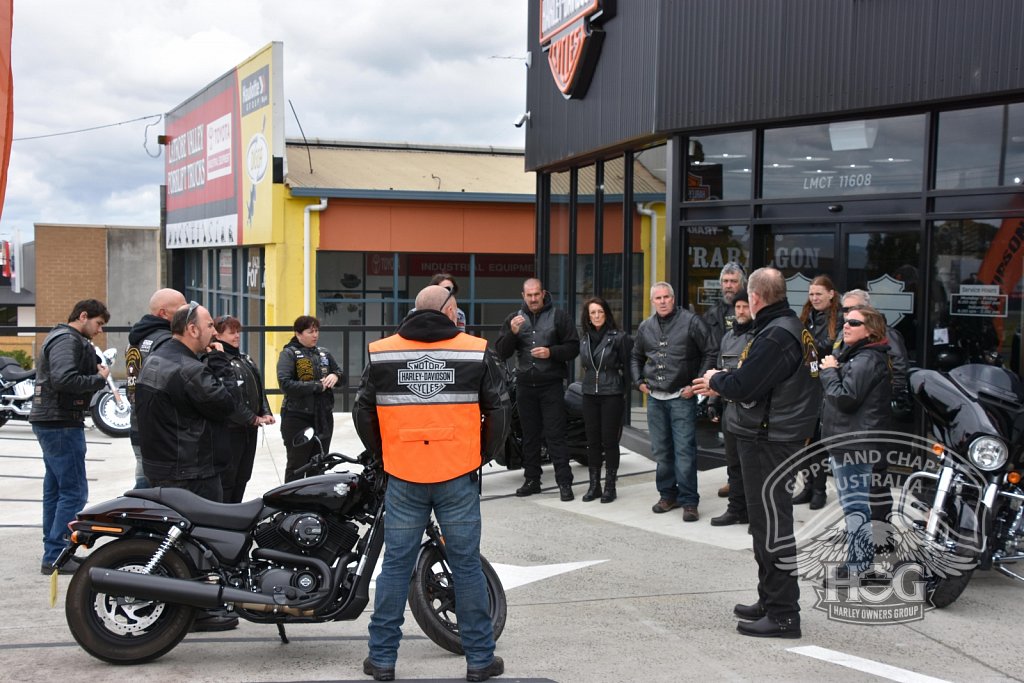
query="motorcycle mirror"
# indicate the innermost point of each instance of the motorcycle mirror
(110, 355)
(303, 438)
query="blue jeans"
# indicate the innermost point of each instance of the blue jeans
(65, 489)
(457, 506)
(673, 428)
(853, 481)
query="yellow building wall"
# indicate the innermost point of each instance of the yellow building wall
(659, 253)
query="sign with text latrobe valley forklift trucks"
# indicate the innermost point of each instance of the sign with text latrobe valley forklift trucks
(572, 42)
(221, 146)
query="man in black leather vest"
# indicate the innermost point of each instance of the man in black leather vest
(777, 395)
(543, 339)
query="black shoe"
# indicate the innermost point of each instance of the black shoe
(565, 493)
(728, 518)
(213, 620)
(609, 494)
(379, 673)
(495, 668)
(70, 567)
(804, 497)
(594, 491)
(767, 627)
(818, 499)
(529, 487)
(749, 612)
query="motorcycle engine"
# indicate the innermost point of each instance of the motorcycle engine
(307, 533)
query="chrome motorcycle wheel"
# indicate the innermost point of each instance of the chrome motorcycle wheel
(124, 630)
(111, 419)
(432, 599)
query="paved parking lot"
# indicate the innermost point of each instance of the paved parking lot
(596, 593)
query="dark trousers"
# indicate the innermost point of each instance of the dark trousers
(208, 487)
(542, 413)
(291, 426)
(602, 417)
(737, 496)
(237, 470)
(771, 522)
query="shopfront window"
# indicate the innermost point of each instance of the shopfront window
(866, 156)
(720, 167)
(977, 292)
(710, 248)
(981, 147)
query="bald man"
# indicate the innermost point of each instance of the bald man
(146, 336)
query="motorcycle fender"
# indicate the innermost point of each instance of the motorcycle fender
(126, 510)
(228, 546)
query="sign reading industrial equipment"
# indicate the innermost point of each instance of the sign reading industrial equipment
(572, 42)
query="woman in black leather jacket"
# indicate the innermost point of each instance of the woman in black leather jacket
(820, 315)
(858, 393)
(307, 374)
(604, 355)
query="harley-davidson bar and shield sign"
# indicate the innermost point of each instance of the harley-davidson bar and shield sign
(572, 42)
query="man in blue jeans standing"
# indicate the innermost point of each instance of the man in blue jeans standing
(671, 349)
(433, 405)
(68, 373)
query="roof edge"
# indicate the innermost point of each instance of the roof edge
(408, 146)
(414, 195)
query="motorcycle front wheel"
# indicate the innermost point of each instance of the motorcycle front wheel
(123, 630)
(111, 419)
(432, 599)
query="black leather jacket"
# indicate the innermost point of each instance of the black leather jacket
(606, 367)
(66, 377)
(252, 399)
(858, 393)
(299, 371)
(181, 402)
(720, 319)
(552, 328)
(669, 354)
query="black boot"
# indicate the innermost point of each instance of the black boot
(595, 485)
(609, 486)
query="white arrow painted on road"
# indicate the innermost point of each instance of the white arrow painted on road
(892, 673)
(513, 576)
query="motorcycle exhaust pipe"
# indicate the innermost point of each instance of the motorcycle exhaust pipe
(182, 592)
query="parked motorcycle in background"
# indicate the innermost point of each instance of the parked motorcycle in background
(17, 388)
(971, 506)
(110, 410)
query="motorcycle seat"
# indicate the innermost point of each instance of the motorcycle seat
(16, 374)
(203, 512)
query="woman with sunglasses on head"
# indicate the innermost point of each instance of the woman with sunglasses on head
(307, 374)
(236, 442)
(858, 391)
(822, 316)
(604, 354)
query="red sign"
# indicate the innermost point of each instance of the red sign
(572, 42)
(457, 265)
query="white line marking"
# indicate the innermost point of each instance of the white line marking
(891, 673)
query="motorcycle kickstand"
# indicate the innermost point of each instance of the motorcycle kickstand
(281, 633)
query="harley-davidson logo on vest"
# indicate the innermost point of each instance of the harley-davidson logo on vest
(572, 42)
(426, 376)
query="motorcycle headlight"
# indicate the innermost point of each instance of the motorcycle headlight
(987, 453)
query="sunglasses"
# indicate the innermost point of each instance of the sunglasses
(221, 320)
(191, 317)
(855, 323)
(451, 293)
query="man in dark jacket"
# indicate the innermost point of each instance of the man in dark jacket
(433, 406)
(543, 339)
(671, 349)
(144, 338)
(720, 317)
(180, 402)
(777, 396)
(67, 375)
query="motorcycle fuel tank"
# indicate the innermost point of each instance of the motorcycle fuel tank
(335, 492)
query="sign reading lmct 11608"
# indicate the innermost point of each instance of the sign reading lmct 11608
(572, 42)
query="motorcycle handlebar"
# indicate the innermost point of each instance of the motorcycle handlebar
(325, 461)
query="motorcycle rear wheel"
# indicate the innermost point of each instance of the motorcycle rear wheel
(124, 630)
(111, 419)
(432, 600)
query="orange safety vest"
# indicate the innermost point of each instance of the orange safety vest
(428, 405)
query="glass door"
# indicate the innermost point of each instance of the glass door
(801, 253)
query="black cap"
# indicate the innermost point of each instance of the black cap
(741, 296)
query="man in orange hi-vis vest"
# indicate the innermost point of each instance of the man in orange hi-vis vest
(434, 405)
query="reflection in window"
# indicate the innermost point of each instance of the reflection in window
(845, 158)
(981, 147)
(719, 167)
(710, 248)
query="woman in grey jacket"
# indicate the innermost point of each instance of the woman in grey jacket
(604, 355)
(858, 393)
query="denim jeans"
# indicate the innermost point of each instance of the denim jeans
(673, 428)
(853, 482)
(457, 506)
(65, 489)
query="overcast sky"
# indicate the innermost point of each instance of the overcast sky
(446, 71)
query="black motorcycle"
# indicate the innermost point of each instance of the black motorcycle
(304, 553)
(969, 504)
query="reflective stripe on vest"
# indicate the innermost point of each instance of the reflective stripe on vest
(428, 405)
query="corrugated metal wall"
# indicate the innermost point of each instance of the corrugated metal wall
(719, 63)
